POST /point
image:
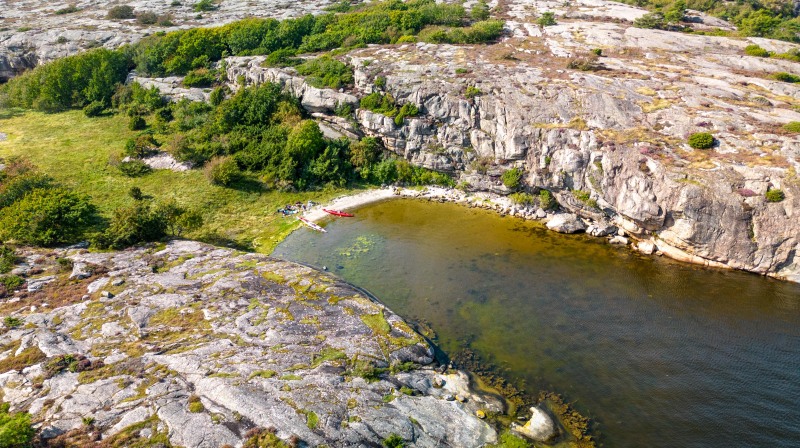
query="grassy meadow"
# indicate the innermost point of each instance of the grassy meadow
(76, 150)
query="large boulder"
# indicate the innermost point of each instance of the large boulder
(566, 223)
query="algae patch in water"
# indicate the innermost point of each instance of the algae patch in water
(362, 244)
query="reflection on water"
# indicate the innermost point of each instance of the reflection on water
(660, 353)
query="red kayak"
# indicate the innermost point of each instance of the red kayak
(338, 213)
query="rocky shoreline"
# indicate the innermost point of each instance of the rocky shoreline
(615, 231)
(201, 346)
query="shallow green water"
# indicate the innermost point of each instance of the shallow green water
(659, 353)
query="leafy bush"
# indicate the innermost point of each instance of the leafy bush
(7, 259)
(204, 5)
(755, 50)
(521, 198)
(217, 96)
(786, 77)
(385, 104)
(775, 195)
(471, 92)
(793, 126)
(10, 283)
(653, 20)
(546, 200)
(201, 77)
(511, 178)
(585, 197)
(394, 441)
(326, 71)
(15, 429)
(586, 63)
(120, 12)
(18, 186)
(74, 81)
(132, 225)
(480, 11)
(222, 171)
(94, 109)
(547, 19)
(147, 18)
(701, 140)
(136, 123)
(134, 168)
(67, 10)
(141, 146)
(45, 217)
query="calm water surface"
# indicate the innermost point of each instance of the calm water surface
(659, 353)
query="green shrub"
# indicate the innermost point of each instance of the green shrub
(285, 57)
(585, 197)
(511, 178)
(586, 63)
(222, 171)
(45, 217)
(792, 126)
(521, 198)
(136, 123)
(120, 12)
(326, 71)
(653, 20)
(141, 146)
(380, 82)
(701, 140)
(547, 19)
(201, 77)
(471, 92)
(136, 193)
(204, 5)
(786, 77)
(67, 10)
(11, 282)
(546, 200)
(18, 186)
(15, 429)
(480, 11)
(7, 259)
(94, 109)
(195, 406)
(217, 96)
(73, 81)
(394, 441)
(10, 321)
(147, 18)
(132, 225)
(775, 195)
(134, 168)
(755, 50)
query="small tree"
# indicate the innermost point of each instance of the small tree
(137, 123)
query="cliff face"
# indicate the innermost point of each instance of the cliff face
(199, 345)
(617, 130)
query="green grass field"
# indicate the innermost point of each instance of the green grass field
(75, 150)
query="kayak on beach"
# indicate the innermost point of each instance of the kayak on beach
(338, 213)
(312, 225)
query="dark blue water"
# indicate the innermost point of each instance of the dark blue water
(658, 353)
